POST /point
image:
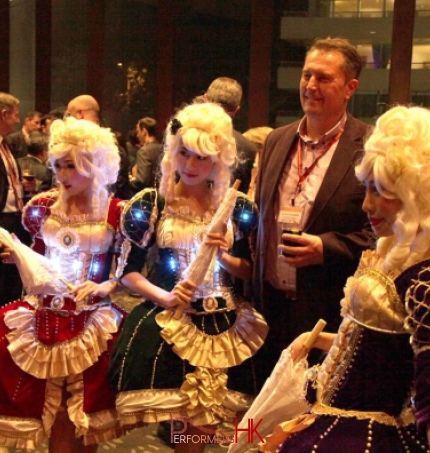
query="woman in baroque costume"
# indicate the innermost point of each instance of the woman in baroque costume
(55, 343)
(186, 351)
(372, 392)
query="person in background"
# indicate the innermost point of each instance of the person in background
(306, 185)
(18, 141)
(149, 155)
(35, 162)
(86, 107)
(11, 196)
(132, 146)
(57, 340)
(228, 93)
(256, 135)
(47, 120)
(122, 187)
(360, 396)
(187, 350)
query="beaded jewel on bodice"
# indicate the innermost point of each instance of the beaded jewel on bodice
(180, 232)
(78, 246)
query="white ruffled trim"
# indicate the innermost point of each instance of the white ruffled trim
(96, 427)
(53, 395)
(61, 359)
(138, 407)
(19, 433)
(230, 348)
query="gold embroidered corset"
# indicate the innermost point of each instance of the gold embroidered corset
(78, 246)
(180, 233)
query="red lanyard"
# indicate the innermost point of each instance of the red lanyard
(308, 170)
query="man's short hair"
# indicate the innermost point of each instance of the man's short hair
(8, 102)
(32, 114)
(37, 142)
(226, 92)
(353, 62)
(149, 124)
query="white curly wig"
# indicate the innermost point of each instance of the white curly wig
(207, 130)
(94, 153)
(397, 157)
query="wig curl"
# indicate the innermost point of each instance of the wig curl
(94, 154)
(206, 130)
(397, 158)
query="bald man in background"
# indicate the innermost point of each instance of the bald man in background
(85, 107)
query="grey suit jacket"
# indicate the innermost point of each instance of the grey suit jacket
(337, 217)
(17, 144)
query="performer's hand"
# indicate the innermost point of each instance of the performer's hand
(180, 296)
(6, 254)
(88, 289)
(307, 251)
(219, 240)
(298, 350)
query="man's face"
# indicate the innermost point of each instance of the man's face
(33, 124)
(9, 120)
(324, 89)
(142, 134)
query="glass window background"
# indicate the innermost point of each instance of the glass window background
(368, 25)
(211, 39)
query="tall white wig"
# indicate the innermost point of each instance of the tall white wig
(397, 157)
(207, 130)
(94, 154)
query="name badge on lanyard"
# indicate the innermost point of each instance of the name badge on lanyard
(290, 217)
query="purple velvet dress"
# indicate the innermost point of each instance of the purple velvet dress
(372, 392)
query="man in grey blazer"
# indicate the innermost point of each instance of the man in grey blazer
(306, 183)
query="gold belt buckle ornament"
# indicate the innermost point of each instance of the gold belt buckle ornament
(57, 303)
(210, 304)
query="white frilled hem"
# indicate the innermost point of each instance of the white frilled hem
(60, 359)
(94, 428)
(230, 348)
(136, 407)
(62, 365)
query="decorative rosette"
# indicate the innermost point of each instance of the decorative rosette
(210, 304)
(205, 387)
(68, 240)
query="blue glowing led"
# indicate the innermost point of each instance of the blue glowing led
(138, 215)
(95, 267)
(172, 263)
(245, 216)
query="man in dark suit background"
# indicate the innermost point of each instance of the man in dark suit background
(228, 93)
(306, 180)
(18, 141)
(11, 195)
(146, 170)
